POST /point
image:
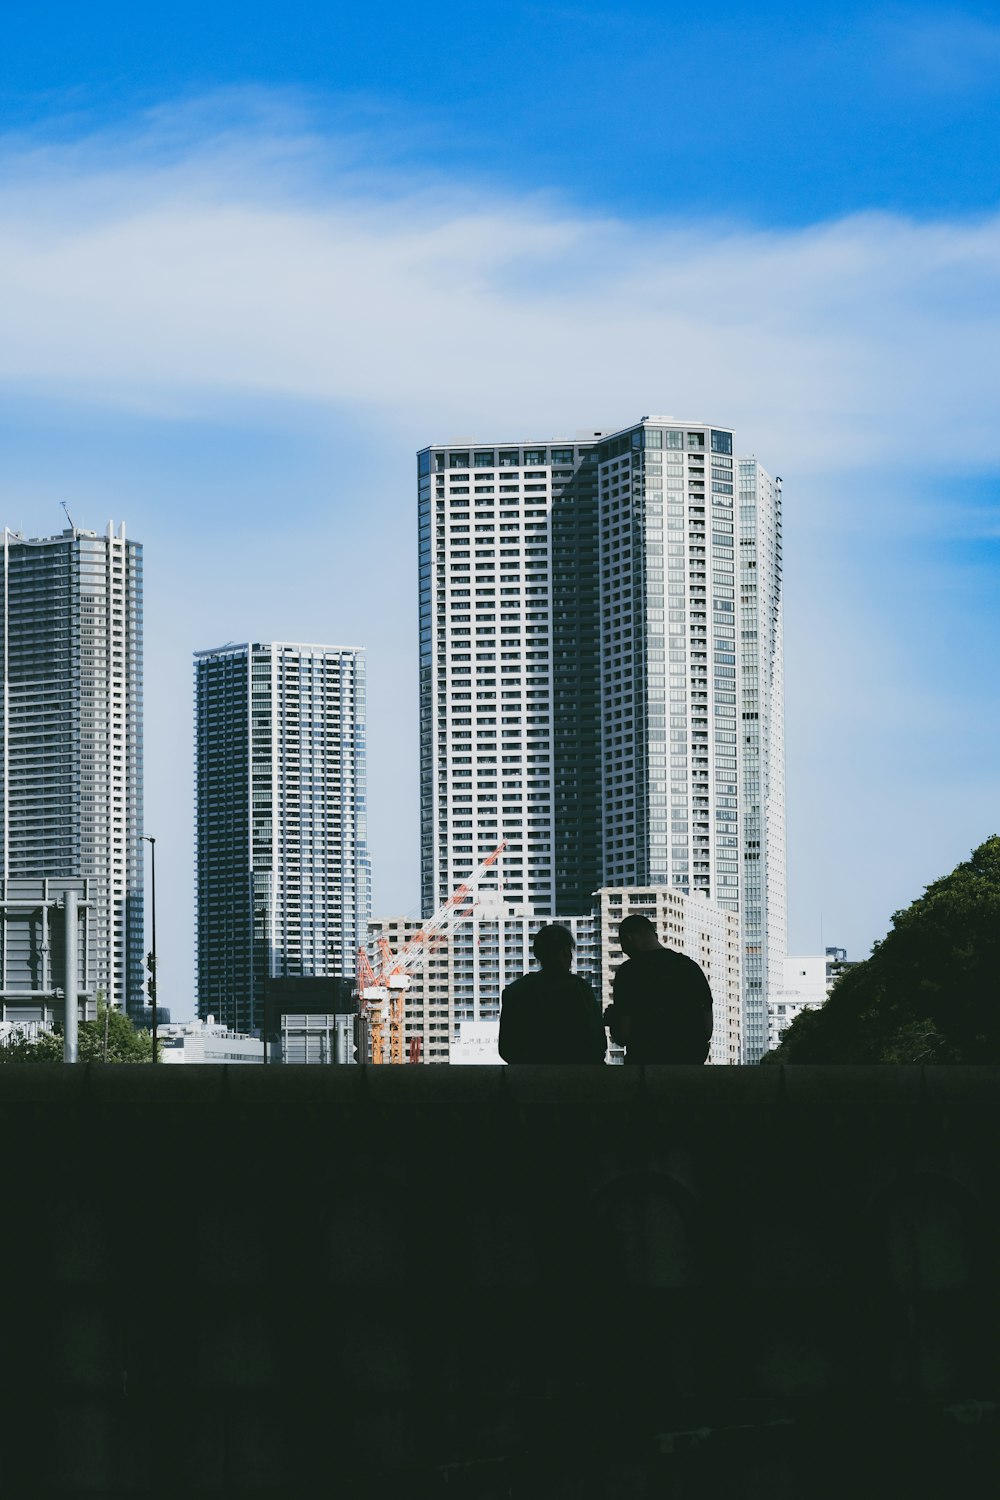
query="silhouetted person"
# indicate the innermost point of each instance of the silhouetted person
(662, 1010)
(551, 1015)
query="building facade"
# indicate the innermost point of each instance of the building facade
(206, 1042)
(71, 736)
(509, 668)
(626, 704)
(283, 875)
(762, 748)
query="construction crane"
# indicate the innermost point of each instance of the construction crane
(389, 979)
(371, 997)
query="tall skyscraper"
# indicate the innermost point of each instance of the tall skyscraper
(509, 665)
(284, 880)
(762, 749)
(625, 702)
(72, 735)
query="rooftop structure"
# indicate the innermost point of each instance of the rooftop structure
(206, 1042)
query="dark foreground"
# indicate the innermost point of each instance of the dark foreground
(539, 1282)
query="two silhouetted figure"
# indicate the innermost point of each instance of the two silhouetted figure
(662, 1010)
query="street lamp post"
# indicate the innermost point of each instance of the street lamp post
(151, 956)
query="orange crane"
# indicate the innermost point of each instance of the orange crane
(390, 978)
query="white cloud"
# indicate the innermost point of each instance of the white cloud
(941, 51)
(181, 274)
(166, 278)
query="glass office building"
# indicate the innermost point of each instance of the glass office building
(71, 713)
(283, 875)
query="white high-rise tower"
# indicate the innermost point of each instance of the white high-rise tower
(509, 692)
(71, 726)
(601, 669)
(284, 880)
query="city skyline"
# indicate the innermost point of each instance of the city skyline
(252, 265)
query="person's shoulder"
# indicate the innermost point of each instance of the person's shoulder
(684, 960)
(581, 986)
(667, 955)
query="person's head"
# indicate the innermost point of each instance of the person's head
(553, 946)
(637, 935)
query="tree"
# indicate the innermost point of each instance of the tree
(930, 993)
(111, 1038)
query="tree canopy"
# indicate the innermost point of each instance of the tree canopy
(124, 1043)
(930, 993)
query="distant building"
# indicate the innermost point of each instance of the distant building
(71, 736)
(205, 1042)
(693, 925)
(476, 1045)
(34, 926)
(284, 880)
(316, 1038)
(808, 980)
(509, 680)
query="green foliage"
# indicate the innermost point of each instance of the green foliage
(930, 993)
(46, 1048)
(111, 1038)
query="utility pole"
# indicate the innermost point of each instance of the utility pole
(151, 955)
(71, 1053)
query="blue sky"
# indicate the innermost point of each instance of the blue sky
(254, 256)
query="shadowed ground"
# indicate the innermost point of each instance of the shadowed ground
(481, 1282)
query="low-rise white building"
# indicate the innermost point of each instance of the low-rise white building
(477, 1044)
(205, 1042)
(808, 980)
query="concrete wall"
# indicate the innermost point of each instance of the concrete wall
(486, 1282)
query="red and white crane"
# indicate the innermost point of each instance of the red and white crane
(389, 978)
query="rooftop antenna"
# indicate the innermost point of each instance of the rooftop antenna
(68, 516)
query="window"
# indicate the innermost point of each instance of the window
(696, 440)
(674, 439)
(483, 460)
(722, 442)
(534, 455)
(562, 455)
(459, 461)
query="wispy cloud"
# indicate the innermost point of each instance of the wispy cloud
(264, 263)
(941, 51)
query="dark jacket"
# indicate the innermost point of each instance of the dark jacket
(551, 1016)
(662, 1008)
